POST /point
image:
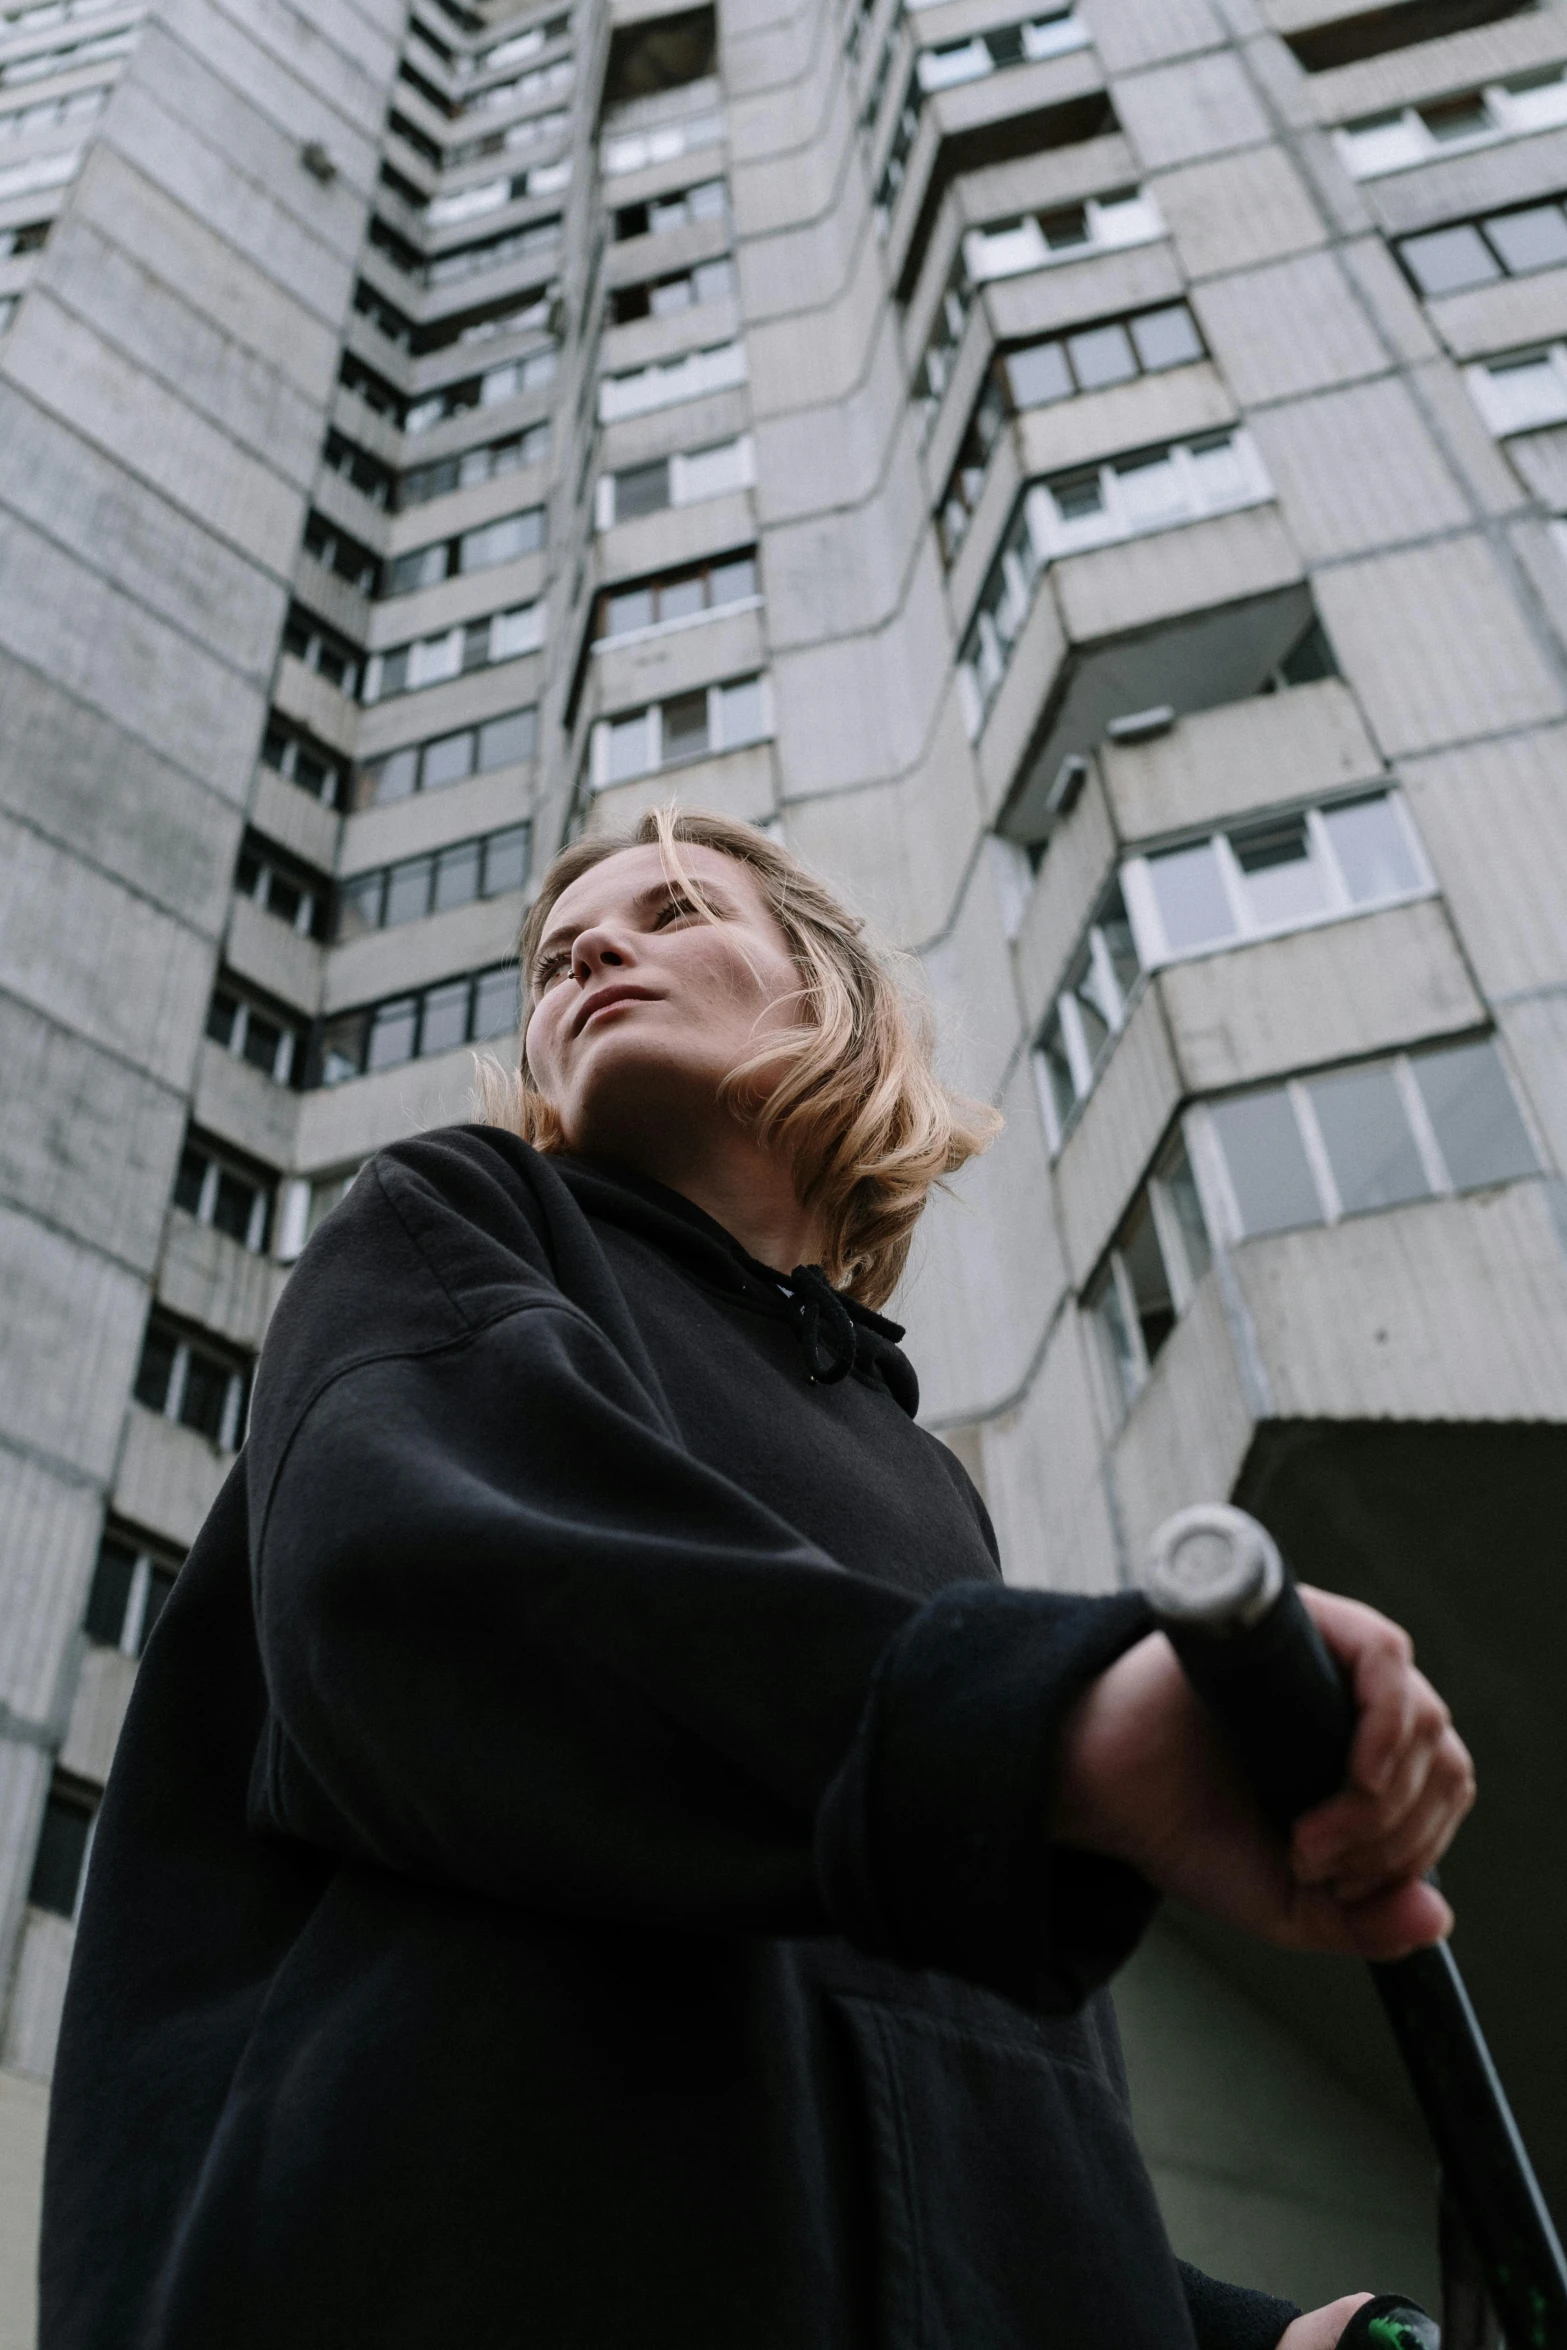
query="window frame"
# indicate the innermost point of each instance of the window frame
(661, 582)
(484, 842)
(1125, 1360)
(599, 776)
(1413, 142)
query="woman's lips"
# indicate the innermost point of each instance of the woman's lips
(605, 999)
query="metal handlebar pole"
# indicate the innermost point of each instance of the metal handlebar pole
(1219, 1588)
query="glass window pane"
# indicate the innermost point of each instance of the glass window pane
(1175, 1173)
(499, 542)
(1448, 259)
(445, 1017)
(359, 905)
(263, 1042)
(1038, 375)
(1456, 118)
(1166, 338)
(1150, 1284)
(679, 599)
(1077, 495)
(393, 777)
(234, 1205)
(1104, 1304)
(1267, 1164)
(206, 1394)
(456, 876)
(1058, 1072)
(506, 860)
(1115, 929)
(1065, 228)
(343, 1048)
(628, 747)
(284, 898)
(408, 891)
(1535, 239)
(1471, 1105)
(111, 1589)
(507, 739)
(685, 726)
(1372, 848)
(1189, 890)
(740, 713)
(1370, 1148)
(1103, 355)
(222, 1013)
(1095, 1016)
(642, 489)
(62, 1852)
(1221, 477)
(189, 1182)
(1283, 880)
(392, 1033)
(730, 583)
(628, 609)
(160, 1583)
(495, 1006)
(155, 1370)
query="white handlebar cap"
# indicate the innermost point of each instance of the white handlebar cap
(1213, 1568)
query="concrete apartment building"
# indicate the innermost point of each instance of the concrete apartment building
(1090, 477)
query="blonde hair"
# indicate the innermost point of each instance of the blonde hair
(858, 1108)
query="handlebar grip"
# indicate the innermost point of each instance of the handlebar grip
(1221, 1592)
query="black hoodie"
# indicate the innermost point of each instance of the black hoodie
(574, 1871)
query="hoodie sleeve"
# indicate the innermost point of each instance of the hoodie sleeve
(518, 1641)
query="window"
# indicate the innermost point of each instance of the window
(514, 48)
(1273, 874)
(483, 868)
(683, 479)
(186, 1376)
(233, 1195)
(669, 380)
(349, 558)
(1033, 375)
(635, 150)
(289, 751)
(462, 261)
(1092, 506)
(321, 648)
(470, 1010)
(508, 314)
(1497, 244)
(533, 131)
(1380, 143)
(1100, 988)
(448, 758)
(661, 297)
(1524, 390)
(282, 886)
(1051, 35)
(254, 1031)
(64, 1840)
(501, 541)
(130, 1586)
(486, 463)
(696, 725)
(367, 474)
(39, 172)
(547, 81)
(1151, 1272)
(473, 202)
(378, 394)
(1382, 30)
(1378, 1135)
(476, 644)
(707, 200)
(55, 114)
(29, 237)
(43, 63)
(47, 14)
(529, 374)
(676, 596)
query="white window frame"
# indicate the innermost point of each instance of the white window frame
(40, 173)
(1524, 103)
(227, 1438)
(600, 777)
(1056, 536)
(1054, 34)
(666, 382)
(1504, 418)
(205, 1207)
(1114, 220)
(283, 1058)
(1126, 1383)
(623, 151)
(1142, 905)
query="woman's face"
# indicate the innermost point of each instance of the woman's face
(643, 1007)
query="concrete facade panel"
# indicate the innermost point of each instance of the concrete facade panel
(1044, 300)
(49, 1527)
(1456, 186)
(1071, 876)
(1327, 994)
(1534, 1031)
(103, 1691)
(206, 1278)
(970, 975)
(342, 1125)
(75, 1324)
(387, 961)
(626, 676)
(1110, 1147)
(168, 1478)
(1179, 112)
(1433, 68)
(1141, 581)
(407, 828)
(239, 1105)
(1431, 642)
(87, 1139)
(1290, 327)
(1385, 290)
(38, 1995)
(1216, 763)
(1499, 317)
(852, 711)
(1187, 1434)
(1136, 415)
(1357, 468)
(1451, 1310)
(1044, 1477)
(1236, 212)
(897, 847)
(1495, 829)
(1471, 450)
(1127, 35)
(740, 784)
(296, 821)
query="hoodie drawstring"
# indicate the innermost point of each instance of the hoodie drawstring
(823, 1325)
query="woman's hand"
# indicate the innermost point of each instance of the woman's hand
(1319, 2329)
(1143, 1775)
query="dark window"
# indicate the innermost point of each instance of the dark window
(456, 1012)
(1499, 244)
(434, 884)
(426, 766)
(1380, 30)
(676, 595)
(62, 1846)
(111, 1590)
(304, 761)
(217, 1189)
(642, 489)
(661, 54)
(321, 648)
(423, 482)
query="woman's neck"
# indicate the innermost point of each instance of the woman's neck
(742, 1186)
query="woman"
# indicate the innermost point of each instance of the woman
(597, 1857)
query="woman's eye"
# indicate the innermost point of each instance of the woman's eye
(675, 908)
(547, 971)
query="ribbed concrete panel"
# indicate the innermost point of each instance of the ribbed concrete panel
(897, 847)
(1534, 1032)
(850, 712)
(168, 1477)
(274, 957)
(1215, 763)
(1127, 34)
(238, 1104)
(1180, 112)
(37, 1995)
(1238, 211)
(1433, 68)
(103, 1691)
(970, 976)
(1141, 414)
(1291, 328)
(467, 938)
(1540, 460)
(73, 1321)
(213, 1281)
(1146, 580)
(1357, 469)
(1494, 823)
(1452, 1310)
(1329, 994)
(341, 1126)
(1433, 642)
(1044, 1477)
(407, 828)
(48, 1541)
(1512, 172)
(75, 1109)
(1499, 317)
(1186, 1435)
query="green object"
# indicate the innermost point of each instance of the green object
(1390, 2323)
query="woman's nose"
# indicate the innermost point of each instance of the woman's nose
(596, 950)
